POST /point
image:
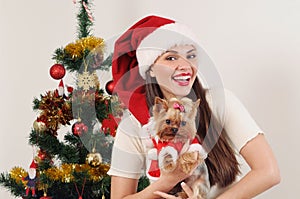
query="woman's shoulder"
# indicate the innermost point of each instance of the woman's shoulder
(129, 124)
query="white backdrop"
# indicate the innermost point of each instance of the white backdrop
(254, 44)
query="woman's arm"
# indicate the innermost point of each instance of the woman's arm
(125, 188)
(264, 171)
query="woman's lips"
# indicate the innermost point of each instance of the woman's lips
(182, 79)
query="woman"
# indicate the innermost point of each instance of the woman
(160, 57)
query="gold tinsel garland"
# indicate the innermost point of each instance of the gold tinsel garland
(91, 43)
(18, 173)
(64, 173)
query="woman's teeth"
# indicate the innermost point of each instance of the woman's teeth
(182, 78)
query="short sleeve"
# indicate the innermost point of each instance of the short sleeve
(128, 153)
(239, 124)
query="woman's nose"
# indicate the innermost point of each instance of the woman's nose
(183, 64)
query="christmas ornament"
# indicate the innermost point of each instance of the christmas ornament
(42, 155)
(39, 126)
(88, 11)
(55, 110)
(110, 124)
(61, 88)
(109, 87)
(94, 159)
(79, 128)
(31, 179)
(46, 197)
(57, 71)
(86, 81)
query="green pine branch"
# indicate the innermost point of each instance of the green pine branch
(84, 23)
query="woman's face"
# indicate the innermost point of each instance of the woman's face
(176, 70)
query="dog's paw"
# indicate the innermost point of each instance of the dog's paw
(188, 161)
(167, 159)
(168, 164)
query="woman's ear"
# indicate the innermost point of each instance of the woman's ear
(151, 73)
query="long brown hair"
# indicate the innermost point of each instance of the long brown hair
(222, 164)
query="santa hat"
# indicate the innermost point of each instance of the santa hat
(136, 50)
(33, 165)
(61, 88)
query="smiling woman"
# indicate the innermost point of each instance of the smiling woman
(158, 57)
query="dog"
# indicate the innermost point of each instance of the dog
(176, 143)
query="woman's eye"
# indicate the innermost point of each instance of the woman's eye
(191, 56)
(171, 58)
(168, 121)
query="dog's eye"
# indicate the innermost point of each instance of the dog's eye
(183, 123)
(168, 121)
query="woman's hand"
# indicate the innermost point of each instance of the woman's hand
(179, 175)
(186, 189)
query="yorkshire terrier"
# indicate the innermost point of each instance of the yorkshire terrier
(176, 143)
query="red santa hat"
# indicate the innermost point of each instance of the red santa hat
(33, 165)
(136, 50)
(61, 88)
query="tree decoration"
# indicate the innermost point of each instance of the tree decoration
(79, 128)
(110, 124)
(78, 49)
(31, 180)
(54, 111)
(109, 87)
(94, 159)
(88, 81)
(57, 71)
(87, 48)
(39, 126)
(68, 162)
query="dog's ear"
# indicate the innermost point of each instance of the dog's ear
(194, 108)
(196, 103)
(159, 105)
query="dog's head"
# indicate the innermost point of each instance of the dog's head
(175, 119)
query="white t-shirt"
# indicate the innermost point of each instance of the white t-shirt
(132, 143)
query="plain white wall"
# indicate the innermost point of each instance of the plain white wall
(254, 44)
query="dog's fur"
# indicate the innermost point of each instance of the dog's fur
(175, 123)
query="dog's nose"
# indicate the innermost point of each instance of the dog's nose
(174, 130)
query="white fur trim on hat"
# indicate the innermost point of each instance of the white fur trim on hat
(160, 40)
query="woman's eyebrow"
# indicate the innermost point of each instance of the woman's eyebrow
(176, 52)
(171, 51)
(191, 50)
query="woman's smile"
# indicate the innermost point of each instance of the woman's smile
(182, 79)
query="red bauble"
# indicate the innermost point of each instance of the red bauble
(42, 154)
(109, 87)
(78, 128)
(57, 71)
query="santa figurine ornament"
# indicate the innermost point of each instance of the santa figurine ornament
(31, 179)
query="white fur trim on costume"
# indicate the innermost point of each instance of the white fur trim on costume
(160, 40)
(200, 149)
(152, 154)
(166, 151)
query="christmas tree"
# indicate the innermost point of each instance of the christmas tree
(76, 166)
